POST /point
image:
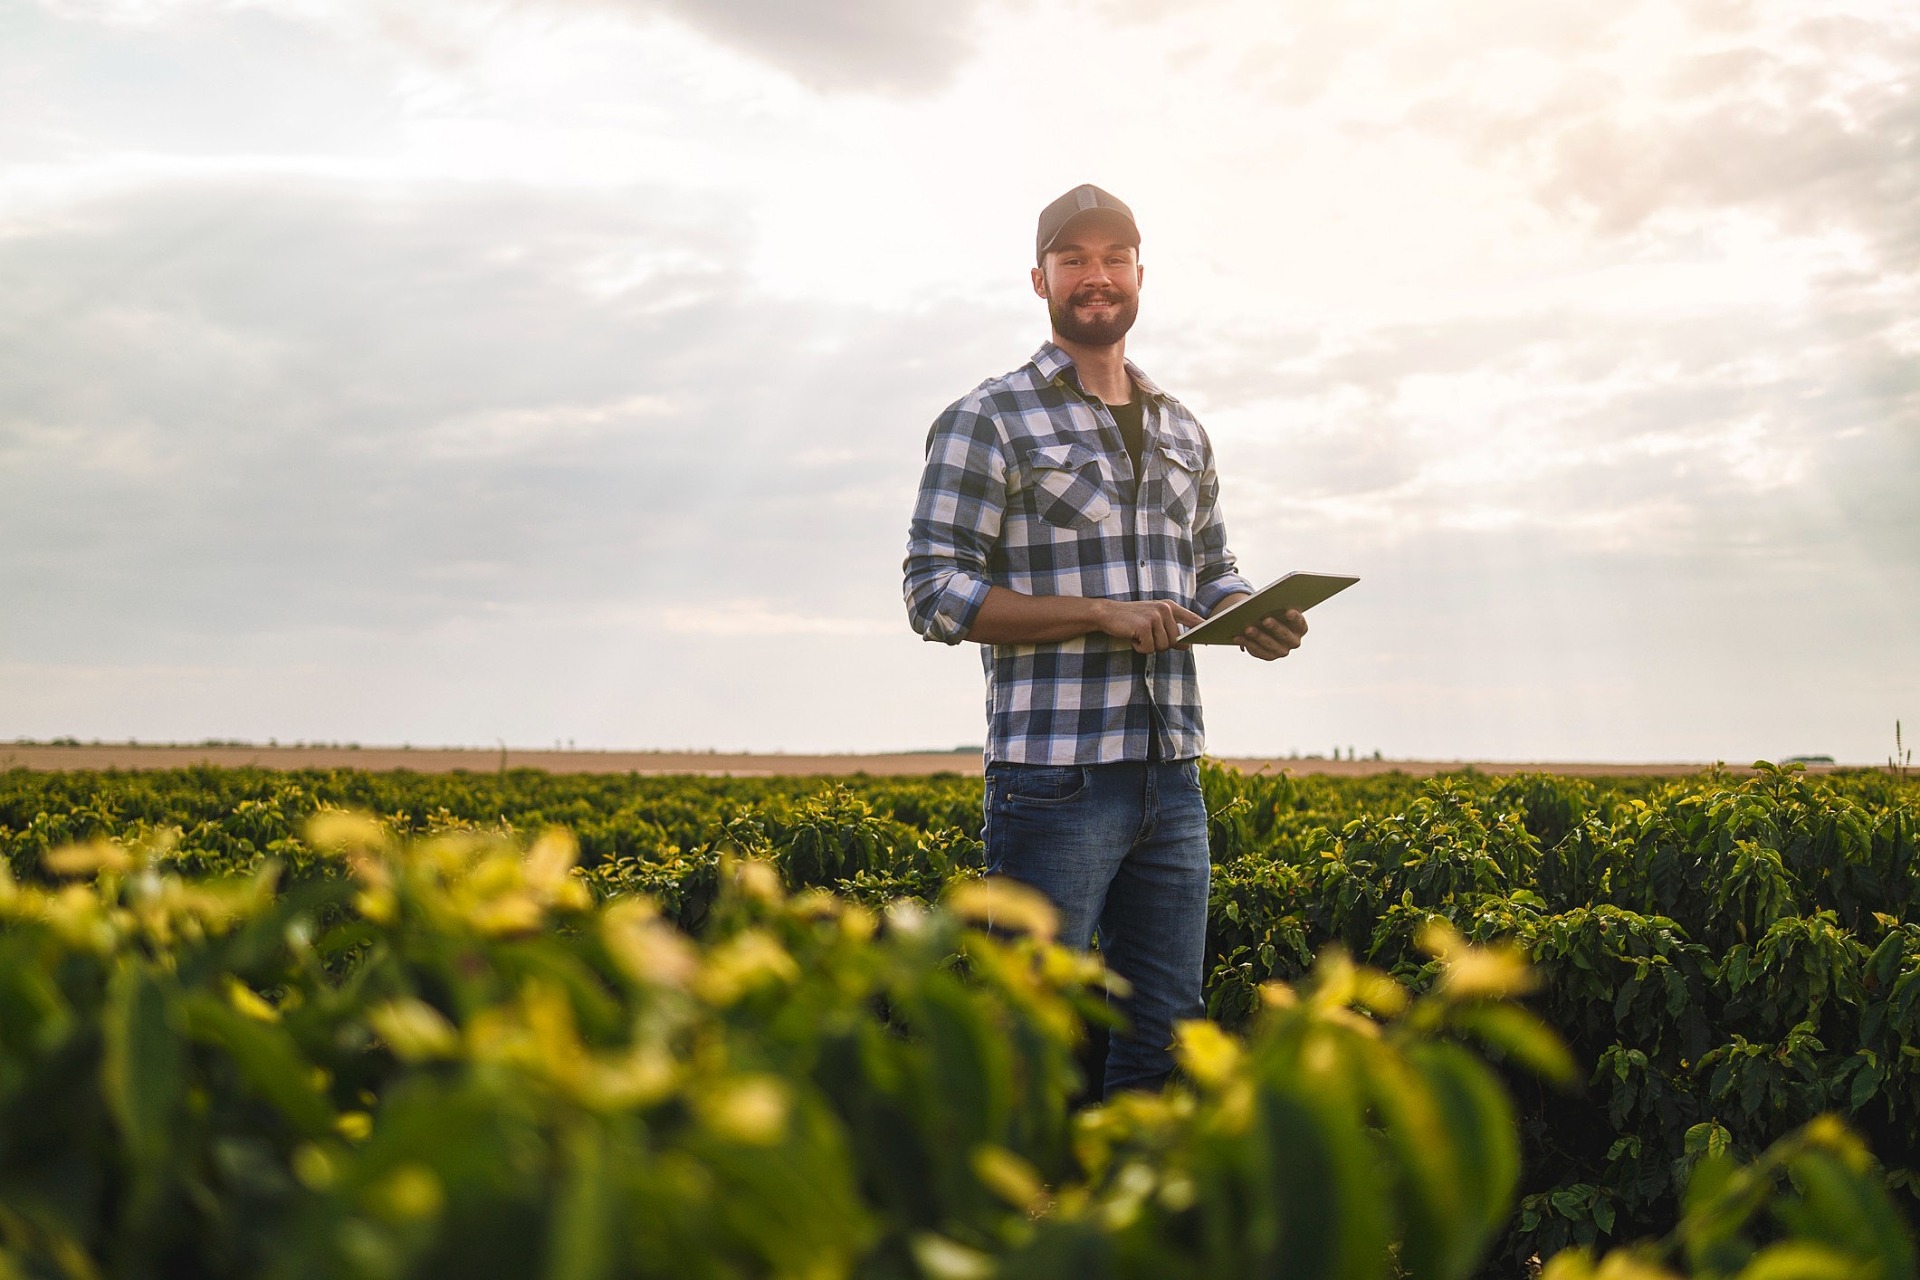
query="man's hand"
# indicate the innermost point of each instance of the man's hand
(1272, 637)
(1148, 625)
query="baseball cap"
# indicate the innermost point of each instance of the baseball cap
(1085, 198)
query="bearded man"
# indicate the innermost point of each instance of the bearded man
(1068, 522)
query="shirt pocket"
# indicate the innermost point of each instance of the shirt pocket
(1068, 491)
(1180, 486)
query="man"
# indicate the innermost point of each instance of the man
(1068, 522)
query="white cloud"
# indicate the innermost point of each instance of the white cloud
(234, 408)
(757, 619)
(571, 429)
(908, 46)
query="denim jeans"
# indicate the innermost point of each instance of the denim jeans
(1121, 848)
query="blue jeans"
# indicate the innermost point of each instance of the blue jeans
(1121, 848)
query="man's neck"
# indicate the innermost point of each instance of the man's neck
(1102, 370)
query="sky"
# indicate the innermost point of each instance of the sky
(462, 371)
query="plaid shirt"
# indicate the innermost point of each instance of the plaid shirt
(1028, 486)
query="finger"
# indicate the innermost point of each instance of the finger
(1271, 632)
(1298, 621)
(1177, 621)
(1266, 648)
(1185, 616)
(1280, 631)
(1165, 631)
(1283, 624)
(1156, 631)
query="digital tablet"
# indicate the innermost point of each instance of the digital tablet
(1295, 591)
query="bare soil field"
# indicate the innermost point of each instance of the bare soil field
(480, 760)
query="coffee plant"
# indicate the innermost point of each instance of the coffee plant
(242, 1032)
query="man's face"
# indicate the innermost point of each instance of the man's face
(1091, 281)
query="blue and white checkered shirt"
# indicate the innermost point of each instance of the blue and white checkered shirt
(1028, 486)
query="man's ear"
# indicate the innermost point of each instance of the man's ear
(1039, 282)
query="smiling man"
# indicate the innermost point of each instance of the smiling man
(1068, 522)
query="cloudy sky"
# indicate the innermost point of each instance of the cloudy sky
(445, 371)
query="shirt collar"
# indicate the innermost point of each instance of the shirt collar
(1054, 365)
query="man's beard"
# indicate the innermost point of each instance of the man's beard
(1094, 333)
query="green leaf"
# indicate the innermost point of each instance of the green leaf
(1326, 1192)
(267, 1058)
(144, 1070)
(1737, 969)
(1483, 1129)
(1451, 1128)
(1849, 1209)
(1719, 1200)
(581, 1245)
(1801, 1260)
(1425, 1180)
(944, 1259)
(1705, 1138)
(1522, 1037)
(1866, 1083)
(968, 1062)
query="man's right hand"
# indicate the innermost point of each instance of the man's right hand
(1150, 626)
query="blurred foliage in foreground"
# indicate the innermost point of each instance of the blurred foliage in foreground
(453, 1060)
(1726, 957)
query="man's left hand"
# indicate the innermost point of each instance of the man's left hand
(1273, 637)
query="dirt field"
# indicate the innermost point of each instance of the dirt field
(447, 760)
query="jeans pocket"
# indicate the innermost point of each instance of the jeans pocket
(1043, 784)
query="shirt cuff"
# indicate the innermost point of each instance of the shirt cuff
(1210, 595)
(957, 606)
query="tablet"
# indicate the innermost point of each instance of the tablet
(1295, 591)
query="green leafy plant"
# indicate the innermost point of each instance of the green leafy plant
(1813, 1205)
(1726, 954)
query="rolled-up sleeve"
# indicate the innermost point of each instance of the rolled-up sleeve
(956, 521)
(1216, 573)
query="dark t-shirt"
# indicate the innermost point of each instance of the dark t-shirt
(1129, 418)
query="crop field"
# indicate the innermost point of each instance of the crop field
(342, 1022)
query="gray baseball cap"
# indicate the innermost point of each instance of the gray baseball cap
(1085, 198)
